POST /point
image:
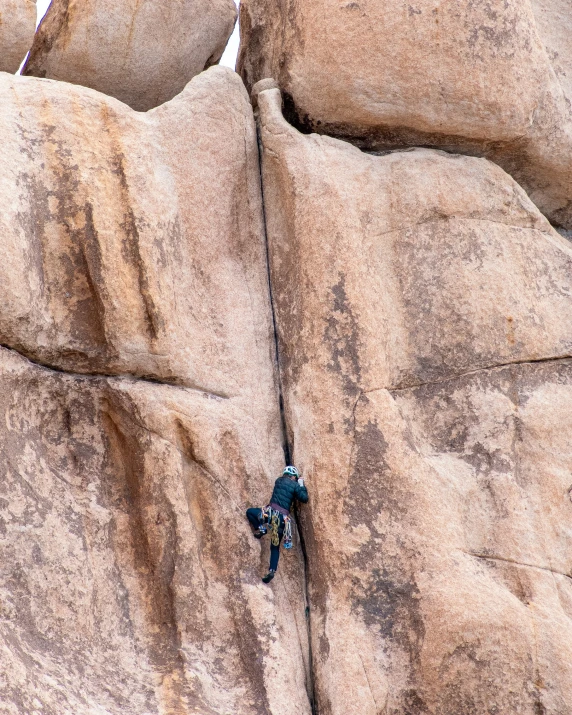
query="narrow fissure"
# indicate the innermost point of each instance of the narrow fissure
(476, 371)
(492, 557)
(285, 440)
(310, 686)
(286, 446)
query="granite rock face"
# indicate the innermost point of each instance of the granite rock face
(17, 26)
(128, 250)
(489, 79)
(423, 308)
(129, 580)
(139, 51)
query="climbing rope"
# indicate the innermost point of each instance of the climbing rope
(274, 527)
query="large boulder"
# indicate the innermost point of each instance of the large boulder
(133, 243)
(17, 26)
(489, 79)
(141, 51)
(134, 254)
(424, 317)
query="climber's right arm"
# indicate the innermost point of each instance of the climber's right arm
(301, 492)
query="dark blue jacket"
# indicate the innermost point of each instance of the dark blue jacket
(286, 490)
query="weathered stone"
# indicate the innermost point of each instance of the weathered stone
(17, 26)
(490, 79)
(424, 310)
(553, 23)
(134, 250)
(133, 243)
(141, 51)
(129, 581)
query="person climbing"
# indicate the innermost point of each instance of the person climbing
(276, 516)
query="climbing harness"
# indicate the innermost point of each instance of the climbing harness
(271, 517)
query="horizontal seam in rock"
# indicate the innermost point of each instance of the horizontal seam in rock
(109, 376)
(469, 372)
(459, 218)
(516, 563)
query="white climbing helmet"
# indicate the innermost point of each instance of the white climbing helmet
(290, 472)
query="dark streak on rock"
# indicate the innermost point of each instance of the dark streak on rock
(342, 335)
(131, 248)
(153, 549)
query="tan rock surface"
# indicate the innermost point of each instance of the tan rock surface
(134, 246)
(133, 243)
(17, 27)
(490, 79)
(140, 51)
(424, 308)
(129, 581)
(553, 20)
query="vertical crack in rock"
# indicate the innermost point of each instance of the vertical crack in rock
(288, 447)
(285, 439)
(310, 684)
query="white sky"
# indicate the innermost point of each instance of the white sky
(228, 58)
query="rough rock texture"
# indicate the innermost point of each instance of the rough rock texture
(141, 51)
(129, 581)
(553, 23)
(424, 315)
(489, 79)
(132, 243)
(17, 26)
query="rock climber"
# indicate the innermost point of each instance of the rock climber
(276, 516)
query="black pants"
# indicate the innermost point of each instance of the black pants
(254, 516)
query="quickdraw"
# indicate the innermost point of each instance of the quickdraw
(287, 532)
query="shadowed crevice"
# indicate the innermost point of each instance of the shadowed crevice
(287, 445)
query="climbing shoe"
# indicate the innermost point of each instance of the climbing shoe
(269, 576)
(259, 533)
